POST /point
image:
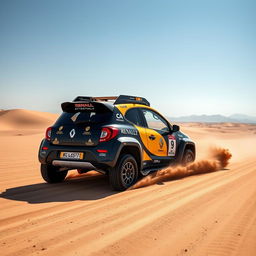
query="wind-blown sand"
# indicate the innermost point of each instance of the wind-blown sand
(207, 214)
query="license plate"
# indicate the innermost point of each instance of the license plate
(71, 155)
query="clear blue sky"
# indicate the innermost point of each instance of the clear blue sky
(185, 57)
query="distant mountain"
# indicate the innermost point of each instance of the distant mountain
(244, 118)
(235, 118)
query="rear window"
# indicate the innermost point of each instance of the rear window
(83, 118)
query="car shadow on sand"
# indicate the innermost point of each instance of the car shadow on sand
(86, 188)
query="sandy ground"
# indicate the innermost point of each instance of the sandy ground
(208, 214)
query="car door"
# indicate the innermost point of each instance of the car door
(134, 116)
(159, 141)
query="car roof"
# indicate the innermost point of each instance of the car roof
(121, 99)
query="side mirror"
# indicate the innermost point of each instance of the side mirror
(175, 128)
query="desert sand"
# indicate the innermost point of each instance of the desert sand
(207, 214)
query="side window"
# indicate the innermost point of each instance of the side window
(132, 115)
(154, 121)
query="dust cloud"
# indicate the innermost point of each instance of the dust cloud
(217, 160)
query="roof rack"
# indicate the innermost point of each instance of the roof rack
(89, 98)
(122, 99)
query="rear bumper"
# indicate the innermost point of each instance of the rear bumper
(92, 158)
(73, 164)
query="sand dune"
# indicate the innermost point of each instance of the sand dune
(208, 214)
(25, 119)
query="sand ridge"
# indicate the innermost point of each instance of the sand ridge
(25, 119)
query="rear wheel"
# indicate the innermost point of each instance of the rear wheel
(188, 157)
(124, 174)
(51, 174)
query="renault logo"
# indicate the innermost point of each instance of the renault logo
(161, 143)
(72, 133)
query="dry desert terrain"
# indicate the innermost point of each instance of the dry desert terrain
(207, 214)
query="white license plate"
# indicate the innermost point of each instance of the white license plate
(71, 155)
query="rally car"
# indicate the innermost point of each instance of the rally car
(122, 137)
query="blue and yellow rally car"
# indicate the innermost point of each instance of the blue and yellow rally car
(122, 137)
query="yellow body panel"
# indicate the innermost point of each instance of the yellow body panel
(144, 139)
(146, 156)
(157, 146)
(124, 107)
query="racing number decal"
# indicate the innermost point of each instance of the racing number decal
(172, 145)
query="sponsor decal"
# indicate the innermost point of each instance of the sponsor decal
(55, 141)
(161, 143)
(92, 114)
(172, 145)
(123, 106)
(87, 130)
(119, 117)
(72, 133)
(89, 142)
(75, 116)
(156, 161)
(83, 106)
(60, 130)
(129, 131)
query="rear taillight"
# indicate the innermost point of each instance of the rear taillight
(102, 150)
(108, 133)
(48, 133)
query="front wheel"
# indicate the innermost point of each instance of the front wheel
(51, 174)
(124, 174)
(188, 157)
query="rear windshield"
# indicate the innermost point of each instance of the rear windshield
(83, 118)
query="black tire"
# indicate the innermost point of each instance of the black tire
(51, 174)
(188, 157)
(124, 174)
